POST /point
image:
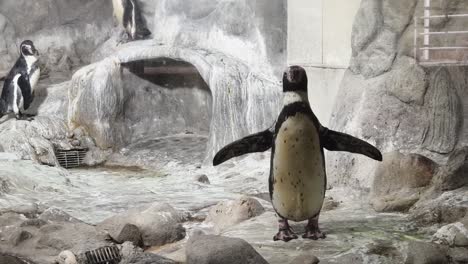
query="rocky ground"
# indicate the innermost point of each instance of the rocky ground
(176, 208)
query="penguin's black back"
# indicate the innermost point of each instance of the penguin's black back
(20, 67)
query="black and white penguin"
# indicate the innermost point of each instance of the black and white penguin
(129, 16)
(18, 89)
(297, 181)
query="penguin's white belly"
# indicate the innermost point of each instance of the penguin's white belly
(34, 78)
(118, 10)
(298, 171)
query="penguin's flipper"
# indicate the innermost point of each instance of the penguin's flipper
(258, 142)
(337, 141)
(25, 86)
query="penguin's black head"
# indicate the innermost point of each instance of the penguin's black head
(294, 79)
(27, 48)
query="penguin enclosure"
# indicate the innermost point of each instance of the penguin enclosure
(175, 131)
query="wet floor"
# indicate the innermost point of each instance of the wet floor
(93, 194)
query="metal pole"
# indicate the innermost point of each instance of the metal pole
(427, 24)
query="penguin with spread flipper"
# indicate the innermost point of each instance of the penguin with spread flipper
(297, 180)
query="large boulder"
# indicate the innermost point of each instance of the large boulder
(228, 213)
(34, 140)
(436, 208)
(42, 241)
(206, 249)
(159, 224)
(452, 235)
(400, 180)
(425, 253)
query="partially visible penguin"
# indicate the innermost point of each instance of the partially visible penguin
(297, 181)
(18, 89)
(129, 16)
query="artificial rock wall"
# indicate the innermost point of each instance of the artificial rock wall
(391, 101)
(238, 48)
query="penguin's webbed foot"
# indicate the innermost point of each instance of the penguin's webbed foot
(312, 230)
(314, 235)
(285, 235)
(25, 117)
(285, 232)
(124, 37)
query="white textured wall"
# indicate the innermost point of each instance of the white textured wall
(319, 39)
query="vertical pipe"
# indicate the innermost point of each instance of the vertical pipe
(427, 24)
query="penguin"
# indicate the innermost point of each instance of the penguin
(297, 180)
(18, 88)
(129, 16)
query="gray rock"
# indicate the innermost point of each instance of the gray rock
(159, 224)
(18, 236)
(406, 73)
(76, 237)
(11, 260)
(436, 208)
(33, 140)
(305, 259)
(202, 179)
(34, 222)
(56, 215)
(329, 204)
(30, 210)
(452, 175)
(366, 25)
(66, 257)
(351, 258)
(397, 14)
(205, 249)
(455, 234)
(426, 253)
(399, 181)
(8, 49)
(459, 255)
(10, 219)
(378, 57)
(130, 233)
(229, 213)
(128, 250)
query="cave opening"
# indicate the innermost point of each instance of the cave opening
(167, 111)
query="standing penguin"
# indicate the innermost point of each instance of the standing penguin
(129, 16)
(297, 181)
(18, 89)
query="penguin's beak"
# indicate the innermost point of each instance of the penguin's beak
(36, 52)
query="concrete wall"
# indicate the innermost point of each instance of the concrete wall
(319, 38)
